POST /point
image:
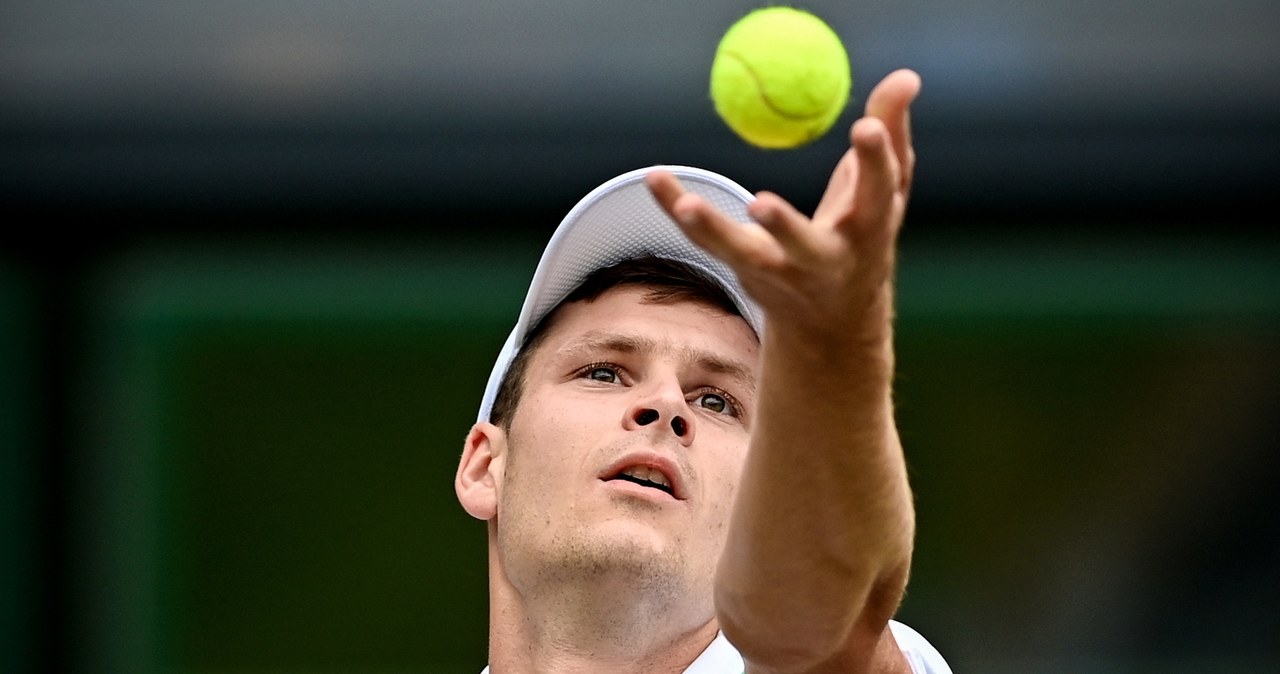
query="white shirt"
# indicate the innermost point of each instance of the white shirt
(720, 657)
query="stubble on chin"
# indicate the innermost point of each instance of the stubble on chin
(578, 555)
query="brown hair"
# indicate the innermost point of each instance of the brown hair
(668, 281)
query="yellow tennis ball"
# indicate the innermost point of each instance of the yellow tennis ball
(780, 77)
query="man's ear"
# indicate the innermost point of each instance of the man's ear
(476, 483)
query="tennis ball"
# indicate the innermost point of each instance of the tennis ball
(780, 77)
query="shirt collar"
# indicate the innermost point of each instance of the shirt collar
(718, 657)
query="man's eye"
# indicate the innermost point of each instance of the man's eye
(605, 374)
(714, 402)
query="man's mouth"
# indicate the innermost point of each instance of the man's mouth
(646, 477)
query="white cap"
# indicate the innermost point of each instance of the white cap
(617, 221)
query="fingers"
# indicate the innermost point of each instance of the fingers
(837, 200)
(876, 193)
(783, 234)
(740, 245)
(865, 196)
(798, 236)
(890, 102)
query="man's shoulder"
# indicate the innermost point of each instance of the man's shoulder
(924, 658)
(720, 657)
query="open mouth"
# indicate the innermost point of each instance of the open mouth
(646, 477)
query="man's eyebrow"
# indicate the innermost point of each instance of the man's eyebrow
(601, 340)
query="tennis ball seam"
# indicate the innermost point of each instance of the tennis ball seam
(768, 102)
(781, 77)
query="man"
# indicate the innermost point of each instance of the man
(686, 454)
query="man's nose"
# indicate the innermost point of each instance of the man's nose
(666, 409)
(648, 415)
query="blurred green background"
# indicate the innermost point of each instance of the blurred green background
(260, 257)
(265, 440)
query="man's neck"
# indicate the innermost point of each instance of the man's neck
(589, 627)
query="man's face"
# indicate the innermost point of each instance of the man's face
(626, 448)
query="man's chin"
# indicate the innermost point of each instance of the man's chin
(630, 553)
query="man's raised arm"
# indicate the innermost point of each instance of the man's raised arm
(819, 547)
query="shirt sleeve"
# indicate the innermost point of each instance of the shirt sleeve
(922, 656)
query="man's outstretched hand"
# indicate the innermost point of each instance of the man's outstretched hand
(820, 273)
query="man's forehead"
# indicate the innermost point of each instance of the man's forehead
(637, 303)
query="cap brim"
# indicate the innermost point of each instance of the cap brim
(617, 221)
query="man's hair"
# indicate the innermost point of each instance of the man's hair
(668, 281)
